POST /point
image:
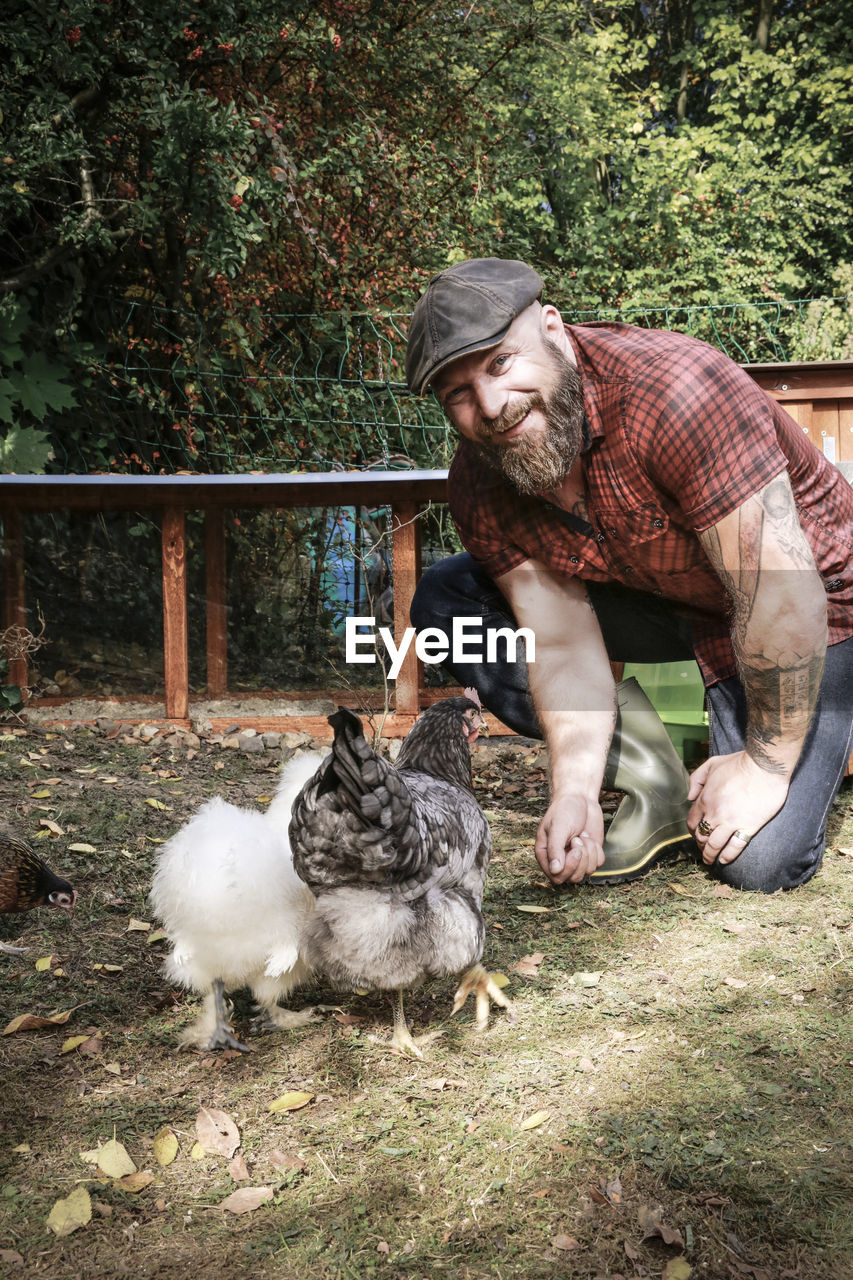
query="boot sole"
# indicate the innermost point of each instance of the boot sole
(644, 863)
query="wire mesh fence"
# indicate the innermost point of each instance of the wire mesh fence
(166, 390)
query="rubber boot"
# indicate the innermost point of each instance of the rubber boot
(642, 762)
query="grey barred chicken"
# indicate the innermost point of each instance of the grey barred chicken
(27, 882)
(396, 857)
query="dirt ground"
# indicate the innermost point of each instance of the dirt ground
(672, 1099)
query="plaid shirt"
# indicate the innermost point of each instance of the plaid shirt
(679, 437)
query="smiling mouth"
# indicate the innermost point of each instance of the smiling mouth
(509, 433)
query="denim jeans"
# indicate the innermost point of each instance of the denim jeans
(639, 627)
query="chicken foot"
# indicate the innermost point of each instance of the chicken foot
(9, 950)
(402, 1037)
(484, 988)
(272, 1017)
(222, 1034)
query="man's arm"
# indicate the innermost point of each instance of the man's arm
(572, 688)
(779, 638)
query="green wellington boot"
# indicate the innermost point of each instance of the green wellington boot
(642, 762)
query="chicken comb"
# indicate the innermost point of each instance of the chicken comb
(473, 696)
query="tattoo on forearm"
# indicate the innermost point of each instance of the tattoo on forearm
(780, 702)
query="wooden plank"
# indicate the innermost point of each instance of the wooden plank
(312, 489)
(15, 613)
(810, 380)
(216, 605)
(825, 428)
(845, 430)
(406, 551)
(175, 632)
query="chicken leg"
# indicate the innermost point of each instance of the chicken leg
(212, 1029)
(402, 1037)
(484, 987)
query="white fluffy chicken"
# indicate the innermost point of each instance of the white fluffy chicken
(233, 909)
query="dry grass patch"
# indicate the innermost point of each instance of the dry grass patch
(674, 1095)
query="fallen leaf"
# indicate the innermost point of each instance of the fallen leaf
(675, 887)
(73, 1042)
(11, 1257)
(113, 1160)
(113, 1068)
(44, 794)
(582, 979)
(732, 926)
(279, 1160)
(499, 979)
(156, 936)
(30, 1022)
(136, 1181)
(534, 910)
(216, 1131)
(165, 1146)
(292, 1101)
(197, 1152)
(535, 1120)
(565, 1242)
(44, 963)
(677, 1269)
(347, 1019)
(586, 1065)
(137, 926)
(382, 1247)
(246, 1199)
(723, 891)
(738, 983)
(22, 1148)
(528, 966)
(82, 848)
(650, 1219)
(613, 1191)
(237, 1169)
(54, 828)
(72, 1212)
(155, 804)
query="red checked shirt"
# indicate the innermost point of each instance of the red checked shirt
(679, 437)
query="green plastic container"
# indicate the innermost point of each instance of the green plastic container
(677, 693)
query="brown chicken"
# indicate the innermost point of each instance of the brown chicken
(27, 882)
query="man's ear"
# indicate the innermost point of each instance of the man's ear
(551, 325)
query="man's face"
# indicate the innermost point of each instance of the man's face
(520, 404)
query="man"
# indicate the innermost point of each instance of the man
(630, 494)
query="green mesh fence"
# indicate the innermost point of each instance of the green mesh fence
(165, 391)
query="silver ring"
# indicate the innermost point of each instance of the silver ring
(704, 827)
(741, 835)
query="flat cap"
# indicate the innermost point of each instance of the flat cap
(466, 308)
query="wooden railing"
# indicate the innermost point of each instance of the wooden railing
(818, 396)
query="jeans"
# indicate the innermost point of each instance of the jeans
(639, 627)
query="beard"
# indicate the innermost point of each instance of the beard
(537, 463)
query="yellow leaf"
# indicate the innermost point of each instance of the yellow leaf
(292, 1101)
(53, 827)
(112, 968)
(264, 799)
(500, 980)
(72, 1212)
(72, 1042)
(675, 887)
(539, 911)
(113, 1068)
(165, 1146)
(82, 848)
(534, 1121)
(114, 1161)
(155, 804)
(677, 1269)
(136, 1181)
(198, 1152)
(44, 963)
(44, 794)
(22, 1148)
(157, 936)
(141, 926)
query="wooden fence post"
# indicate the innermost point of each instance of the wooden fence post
(215, 590)
(175, 643)
(406, 549)
(15, 612)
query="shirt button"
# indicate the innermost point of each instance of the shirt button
(600, 537)
(657, 523)
(834, 584)
(574, 559)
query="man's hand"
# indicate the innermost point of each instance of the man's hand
(570, 838)
(733, 794)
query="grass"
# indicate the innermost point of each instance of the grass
(688, 1055)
